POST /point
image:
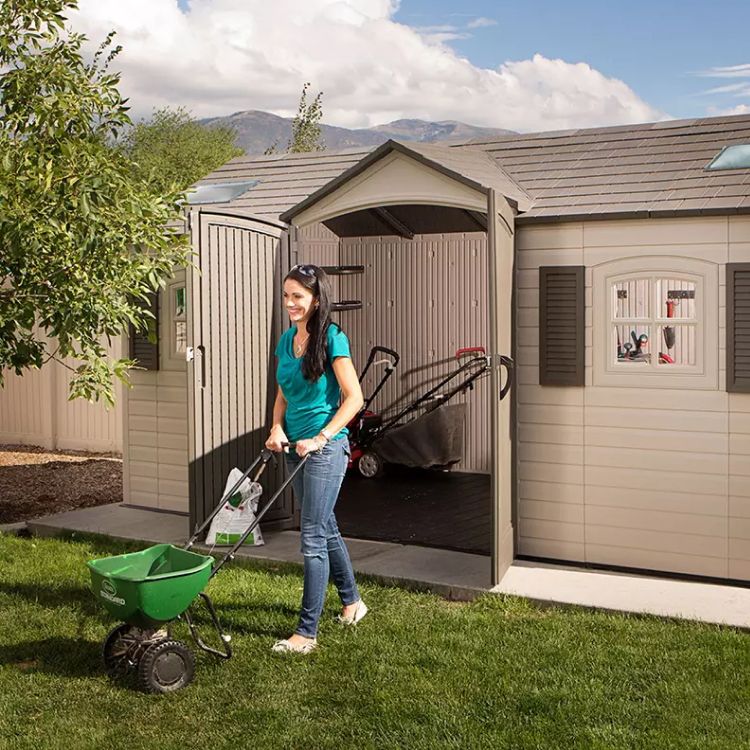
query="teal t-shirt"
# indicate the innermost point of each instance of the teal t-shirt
(309, 406)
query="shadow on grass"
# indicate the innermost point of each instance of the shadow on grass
(55, 596)
(246, 619)
(67, 657)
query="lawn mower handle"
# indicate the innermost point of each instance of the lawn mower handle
(390, 352)
(389, 369)
(470, 350)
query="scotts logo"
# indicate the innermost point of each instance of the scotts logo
(109, 592)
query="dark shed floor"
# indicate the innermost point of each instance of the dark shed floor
(414, 506)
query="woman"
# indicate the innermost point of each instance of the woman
(314, 370)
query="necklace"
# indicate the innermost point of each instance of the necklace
(298, 347)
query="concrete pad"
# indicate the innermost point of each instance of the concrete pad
(452, 574)
(280, 546)
(284, 546)
(620, 592)
(457, 575)
(13, 528)
(118, 521)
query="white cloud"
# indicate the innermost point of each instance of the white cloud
(736, 89)
(441, 34)
(739, 90)
(740, 109)
(729, 71)
(222, 56)
(481, 22)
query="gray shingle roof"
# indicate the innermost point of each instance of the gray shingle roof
(285, 180)
(656, 169)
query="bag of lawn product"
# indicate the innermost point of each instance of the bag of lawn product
(237, 514)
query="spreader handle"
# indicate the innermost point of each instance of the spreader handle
(249, 530)
(265, 456)
(470, 350)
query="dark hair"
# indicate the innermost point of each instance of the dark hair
(315, 280)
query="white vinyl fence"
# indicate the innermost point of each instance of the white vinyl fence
(34, 410)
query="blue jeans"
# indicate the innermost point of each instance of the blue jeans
(316, 488)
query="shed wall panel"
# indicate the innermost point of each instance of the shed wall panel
(664, 471)
(155, 446)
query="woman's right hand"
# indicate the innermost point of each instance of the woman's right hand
(277, 440)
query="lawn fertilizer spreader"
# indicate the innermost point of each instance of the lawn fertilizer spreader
(149, 590)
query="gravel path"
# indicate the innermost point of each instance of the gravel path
(37, 482)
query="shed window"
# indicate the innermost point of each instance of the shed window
(655, 326)
(179, 320)
(644, 323)
(732, 157)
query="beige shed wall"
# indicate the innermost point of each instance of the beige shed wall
(425, 298)
(34, 410)
(643, 477)
(155, 451)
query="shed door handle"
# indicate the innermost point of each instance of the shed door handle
(509, 366)
(202, 352)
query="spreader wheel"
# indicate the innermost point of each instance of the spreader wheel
(116, 651)
(165, 667)
(370, 465)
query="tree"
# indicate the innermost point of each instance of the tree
(306, 133)
(172, 149)
(74, 218)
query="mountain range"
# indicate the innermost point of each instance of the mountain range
(257, 131)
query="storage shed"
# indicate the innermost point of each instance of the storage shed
(613, 266)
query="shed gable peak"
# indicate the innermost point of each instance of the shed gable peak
(420, 174)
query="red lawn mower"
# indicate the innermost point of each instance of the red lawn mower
(428, 432)
(367, 422)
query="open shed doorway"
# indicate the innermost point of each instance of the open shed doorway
(411, 198)
(425, 296)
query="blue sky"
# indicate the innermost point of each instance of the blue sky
(658, 48)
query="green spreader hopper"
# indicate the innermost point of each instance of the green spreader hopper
(152, 587)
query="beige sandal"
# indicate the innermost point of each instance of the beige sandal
(354, 618)
(287, 647)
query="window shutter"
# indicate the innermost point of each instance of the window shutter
(561, 325)
(144, 345)
(738, 327)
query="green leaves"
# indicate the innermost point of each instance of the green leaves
(81, 231)
(172, 150)
(306, 124)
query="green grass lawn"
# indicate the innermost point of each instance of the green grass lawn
(418, 672)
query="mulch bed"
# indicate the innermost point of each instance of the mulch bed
(38, 482)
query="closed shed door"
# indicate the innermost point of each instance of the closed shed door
(236, 320)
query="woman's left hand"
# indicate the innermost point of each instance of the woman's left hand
(304, 447)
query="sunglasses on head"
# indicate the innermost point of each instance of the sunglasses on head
(304, 270)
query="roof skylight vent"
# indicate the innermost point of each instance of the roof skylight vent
(732, 157)
(219, 192)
